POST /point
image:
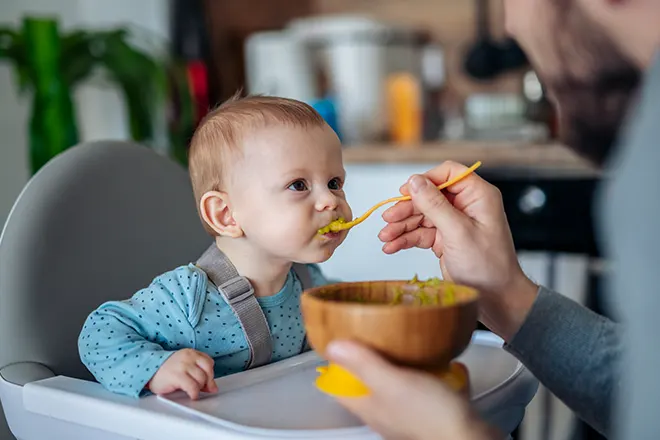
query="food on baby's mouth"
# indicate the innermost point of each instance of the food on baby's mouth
(334, 226)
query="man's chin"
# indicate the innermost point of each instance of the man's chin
(595, 152)
(592, 115)
(592, 142)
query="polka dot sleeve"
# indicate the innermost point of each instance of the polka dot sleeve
(123, 343)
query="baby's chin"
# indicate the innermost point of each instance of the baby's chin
(322, 258)
(321, 254)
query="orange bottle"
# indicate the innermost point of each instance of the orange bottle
(405, 108)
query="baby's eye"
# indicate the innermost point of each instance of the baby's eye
(298, 185)
(335, 184)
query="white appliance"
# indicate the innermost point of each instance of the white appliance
(278, 63)
(359, 53)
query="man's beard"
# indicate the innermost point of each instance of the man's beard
(592, 114)
(592, 105)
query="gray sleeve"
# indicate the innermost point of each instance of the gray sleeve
(630, 219)
(574, 353)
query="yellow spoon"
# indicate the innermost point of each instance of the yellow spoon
(341, 224)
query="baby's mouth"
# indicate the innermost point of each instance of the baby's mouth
(330, 236)
(334, 227)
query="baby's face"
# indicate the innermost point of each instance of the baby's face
(288, 184)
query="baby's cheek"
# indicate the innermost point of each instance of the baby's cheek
(285, 232)
(346, 211)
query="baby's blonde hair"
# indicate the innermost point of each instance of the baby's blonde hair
(221, 132)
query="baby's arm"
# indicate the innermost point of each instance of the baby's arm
(116, 347)
(124, 343)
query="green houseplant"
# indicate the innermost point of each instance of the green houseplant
(50, 64)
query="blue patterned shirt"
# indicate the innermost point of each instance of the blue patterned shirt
(123, 343)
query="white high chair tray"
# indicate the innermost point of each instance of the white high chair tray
(277, 401)
(281, 400)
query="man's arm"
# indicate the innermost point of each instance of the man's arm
(630, 218)
(573, 352)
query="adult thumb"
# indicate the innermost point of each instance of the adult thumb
(428, 200)
(364, 363)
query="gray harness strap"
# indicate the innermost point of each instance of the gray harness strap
(239, 294)
(306, 281)
(303, 275)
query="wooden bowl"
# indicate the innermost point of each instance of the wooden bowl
(418, 336)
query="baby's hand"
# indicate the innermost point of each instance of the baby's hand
(187, 370)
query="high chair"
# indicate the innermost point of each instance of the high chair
(98, 223)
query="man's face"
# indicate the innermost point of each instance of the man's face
(585, 75)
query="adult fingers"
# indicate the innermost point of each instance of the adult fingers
(422, 238)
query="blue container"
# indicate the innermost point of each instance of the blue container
(326, 108)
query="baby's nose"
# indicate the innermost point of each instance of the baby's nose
(327, 201)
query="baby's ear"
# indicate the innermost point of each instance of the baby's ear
(215, 211)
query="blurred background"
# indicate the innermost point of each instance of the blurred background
(405, 83)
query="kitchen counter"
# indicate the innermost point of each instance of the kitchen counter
(551, 158)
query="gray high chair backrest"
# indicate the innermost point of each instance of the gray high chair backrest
(97, 223)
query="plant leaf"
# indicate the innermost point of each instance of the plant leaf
(52, 122)
(9, 39)
(182, 122)
(78, 61)
(12, 49)
(136, 74)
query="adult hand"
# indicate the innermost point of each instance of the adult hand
(468, 231)
(405, 404)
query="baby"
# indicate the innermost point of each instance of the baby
(267, 173)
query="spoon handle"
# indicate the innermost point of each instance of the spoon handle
(448, 183)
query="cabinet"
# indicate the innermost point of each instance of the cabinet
(548, 213)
